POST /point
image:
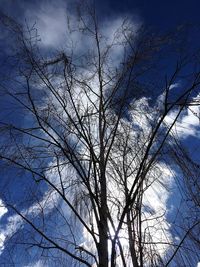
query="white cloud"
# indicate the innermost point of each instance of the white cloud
(188, 124)
(155, 200)
(14, 222)
(37, 264)
(51, 23)
(3, 210)
(2, 240)
(174, 85)
(116, 31)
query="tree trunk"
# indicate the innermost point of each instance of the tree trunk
(103, 225)
(131, 242)
(103, 245)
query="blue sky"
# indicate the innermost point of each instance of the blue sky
(160, 14)
(50, 18)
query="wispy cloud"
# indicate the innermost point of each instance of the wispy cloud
(3, 210)
(156, 209)
(15, 222)
(39, 263)
(51, 23)
(188, 123)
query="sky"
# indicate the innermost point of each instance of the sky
(159, 14)
(50, 20)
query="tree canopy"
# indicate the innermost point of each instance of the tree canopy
(92, 143)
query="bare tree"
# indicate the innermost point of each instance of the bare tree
(93, 148)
